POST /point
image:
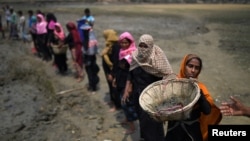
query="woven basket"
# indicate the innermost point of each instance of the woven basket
(170, 99)
(60, 50)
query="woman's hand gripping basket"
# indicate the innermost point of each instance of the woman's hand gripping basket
(170, 99)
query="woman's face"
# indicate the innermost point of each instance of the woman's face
(124, 43)
(193, 68)
(39, 19)
(57, 29)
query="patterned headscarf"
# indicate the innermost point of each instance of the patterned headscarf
(127, 53)
(215, 116)
(152, 59)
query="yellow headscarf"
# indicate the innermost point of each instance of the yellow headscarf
(215, 116)
(110, 37)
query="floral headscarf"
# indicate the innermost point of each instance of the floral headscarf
(152, 59)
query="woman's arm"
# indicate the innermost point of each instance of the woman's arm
(234, 108)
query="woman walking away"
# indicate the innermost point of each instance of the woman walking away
(149, 65)
(75, 45)
(110, 57)
(57, 42)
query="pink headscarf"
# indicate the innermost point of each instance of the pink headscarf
(41, 26)
(60, 34)
(127, 53)
(52, 25)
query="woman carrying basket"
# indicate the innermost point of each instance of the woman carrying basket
(57, 43)
(204, 113)
(149, 64)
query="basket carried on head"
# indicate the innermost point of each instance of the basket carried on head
(170, 99)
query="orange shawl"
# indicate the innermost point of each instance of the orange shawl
(215, 116)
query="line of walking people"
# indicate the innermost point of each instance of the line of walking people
(130, 68)
(51, 43)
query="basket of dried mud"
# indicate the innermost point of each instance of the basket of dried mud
(170, 99)
(59, 50)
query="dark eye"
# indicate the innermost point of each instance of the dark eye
(193, 66)
(143, 45)
(190, 65)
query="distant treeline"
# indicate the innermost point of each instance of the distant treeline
(132, 1)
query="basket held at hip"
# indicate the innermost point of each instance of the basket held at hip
(59, 50)
(170, 99)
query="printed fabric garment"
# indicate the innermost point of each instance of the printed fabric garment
(152, 59)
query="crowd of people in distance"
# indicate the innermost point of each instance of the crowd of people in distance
(129, 67)
(51, 44)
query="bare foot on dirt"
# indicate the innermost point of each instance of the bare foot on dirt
(113, 109)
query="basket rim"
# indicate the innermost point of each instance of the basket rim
(186, 107)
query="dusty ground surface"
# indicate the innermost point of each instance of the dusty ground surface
(31, 110)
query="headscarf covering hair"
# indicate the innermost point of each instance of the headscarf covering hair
(73, 30)
(152, 59)
(51, 20)
(215, 116)
(188, 58)
(60, 34)
(110, 37)
(41, 26)
(51, 25)
(127, 53)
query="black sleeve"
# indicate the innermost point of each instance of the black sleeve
(115, 58)
(204, 104)
(70, 41)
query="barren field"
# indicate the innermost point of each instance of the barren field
(31, 109)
